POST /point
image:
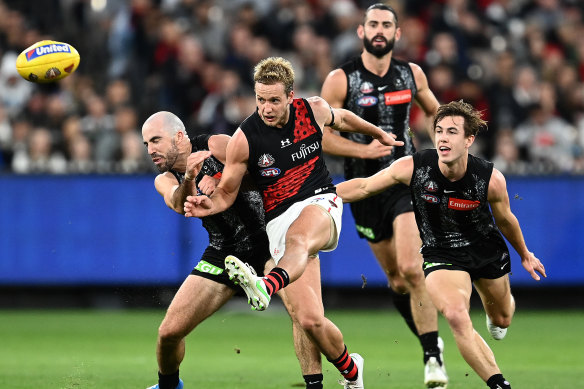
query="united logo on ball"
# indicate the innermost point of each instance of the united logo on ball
(47, 61)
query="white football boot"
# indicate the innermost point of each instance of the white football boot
(253, 286)
(497, 333)
(358, 383)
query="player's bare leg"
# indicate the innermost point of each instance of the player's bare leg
(307, 353)
(450, 291)
(499, 304)
(196, 300)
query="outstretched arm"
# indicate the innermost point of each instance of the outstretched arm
(359, 188)
(509, 225)
(334, 91)
(345, 120)
(224, 195)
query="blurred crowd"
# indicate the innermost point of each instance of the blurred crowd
(520, 61)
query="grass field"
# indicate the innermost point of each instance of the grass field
(239, 349)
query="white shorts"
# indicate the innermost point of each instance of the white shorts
(278, 227)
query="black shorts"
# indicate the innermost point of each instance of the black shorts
(374, 216)
(212, 263)
(488, 260)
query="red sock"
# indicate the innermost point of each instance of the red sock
(276, 279)
(346, 366)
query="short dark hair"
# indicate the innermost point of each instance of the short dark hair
(473, 121)
(383, 7)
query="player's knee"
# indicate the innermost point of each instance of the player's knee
(501, 319)
(457, 317)
(170, 333)
(396, 282)
(310, 323)
(412, 273)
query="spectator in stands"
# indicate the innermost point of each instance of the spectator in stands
(39, 156)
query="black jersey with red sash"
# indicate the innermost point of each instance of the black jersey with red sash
(452, 214)
(384, 101)
(286, 163)
(238, 227)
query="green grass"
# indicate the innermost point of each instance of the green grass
(240, 349)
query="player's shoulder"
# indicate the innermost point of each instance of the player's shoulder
(336, 76)
(317, 102)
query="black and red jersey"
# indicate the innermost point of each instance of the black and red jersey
(286, 163)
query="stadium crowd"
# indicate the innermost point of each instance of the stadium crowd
(520, 61)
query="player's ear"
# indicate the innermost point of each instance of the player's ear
(360, 31)
(397, 34)
(469, 141)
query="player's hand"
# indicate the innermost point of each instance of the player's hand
(389, 139)
(207, 185)
(376, 150)
(198, 206)
(533, 265)
(195, 163)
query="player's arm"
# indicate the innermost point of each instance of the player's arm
(344, 120)
(509, 225)
(334, 91)
(218, 146)
(224, 195)
(174, 194)
(425, 98)
(359, 188)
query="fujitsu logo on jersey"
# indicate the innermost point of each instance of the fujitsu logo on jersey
(305, 150)
(47, 49)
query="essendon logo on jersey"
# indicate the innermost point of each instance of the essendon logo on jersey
(399, 97)
(462, 204)
(266, 160)
(270, 172)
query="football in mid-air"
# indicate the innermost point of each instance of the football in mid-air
(47, 61)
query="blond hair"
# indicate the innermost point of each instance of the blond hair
(272, 70)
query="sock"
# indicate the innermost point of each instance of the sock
(346, 366)
(168, 381)
(313, 381)
(429, 342)
(276, 279)
(403, 305)
(497, 381)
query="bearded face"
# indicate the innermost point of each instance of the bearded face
(379, 46)
(165, 162)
